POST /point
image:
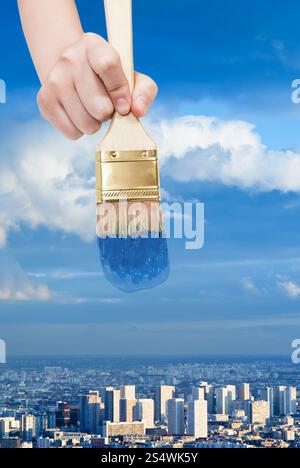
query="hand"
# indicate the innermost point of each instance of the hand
(87, 85)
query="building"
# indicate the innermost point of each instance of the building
(244, 392)
(126, 409)
(224, 399)
(198, 393)
(112, 405)
(28, 426)
(63, 414)
(209, 394)
(197, 419)
(175, 411)
(7, 425)
(163, 394)
(259, 412)
(144, 411)
(267, 394)
(127, 392)
(285, 400)
(90, 406)
(11, 443)
(111, 429)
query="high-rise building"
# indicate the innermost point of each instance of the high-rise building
(197, 419)
(224, 398)
(127, 392)
(260, 412)
(28, 427)
(144, 411)
(90, 413)
(285, 399)
(112, 405)
(126, 409)
(175, 411)
(63, 414)
(231, 396)
(163, 394)
(244, 391)
(198, 393)
(267, 394)
(209, 397)
(8, 424)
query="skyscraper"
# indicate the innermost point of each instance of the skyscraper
(267, 394)
(224, 398)
(285, 399)
(63, 412)
(175, 411)
(197, 419)
(126, 409)
(198, 393)
(163, 394)
(112, 405)
(28, 427)
(90, 412)
(144, 411)
(127, 392)
(244, 391)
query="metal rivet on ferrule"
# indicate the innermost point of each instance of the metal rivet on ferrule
(145, 154)
(114, 154)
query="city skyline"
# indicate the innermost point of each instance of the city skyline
(99, 404)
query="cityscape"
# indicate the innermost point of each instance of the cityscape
(100, 402)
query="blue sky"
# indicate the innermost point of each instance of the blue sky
(228, 60)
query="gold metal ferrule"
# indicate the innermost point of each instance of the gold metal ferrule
(130, 175)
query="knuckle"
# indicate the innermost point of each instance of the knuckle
(107, 111)
(109, 62)
(67, 57)
(45, 101)
(73, 134)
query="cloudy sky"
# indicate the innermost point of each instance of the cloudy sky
(228, 136)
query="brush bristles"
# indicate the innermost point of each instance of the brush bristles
(129, 219)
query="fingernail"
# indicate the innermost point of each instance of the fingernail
(122, 106)
(141, 104)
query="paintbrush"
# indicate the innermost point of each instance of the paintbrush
(127, 179)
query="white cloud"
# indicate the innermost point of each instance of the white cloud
(291, 288)
(15, 285)
(248, 284)
(48, 181)
(227, 152)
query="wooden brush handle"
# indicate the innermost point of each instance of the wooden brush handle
(125, 133)
(119, 28)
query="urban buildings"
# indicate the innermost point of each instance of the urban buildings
(175, 416)
(197, 418)
(163, 394)
(102, 404)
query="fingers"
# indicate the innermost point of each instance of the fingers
(106, 63)
(80, 117)
(52, 111)
(93, 95)
(144, 93)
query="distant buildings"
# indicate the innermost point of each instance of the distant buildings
(194, 413)
(197, 419)
(260, 412)
(144, 411)
(175, 412)
(90, 412)
(163, 394)
(123, 429)
(284, 400)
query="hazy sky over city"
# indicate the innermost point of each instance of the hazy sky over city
(228, 136)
